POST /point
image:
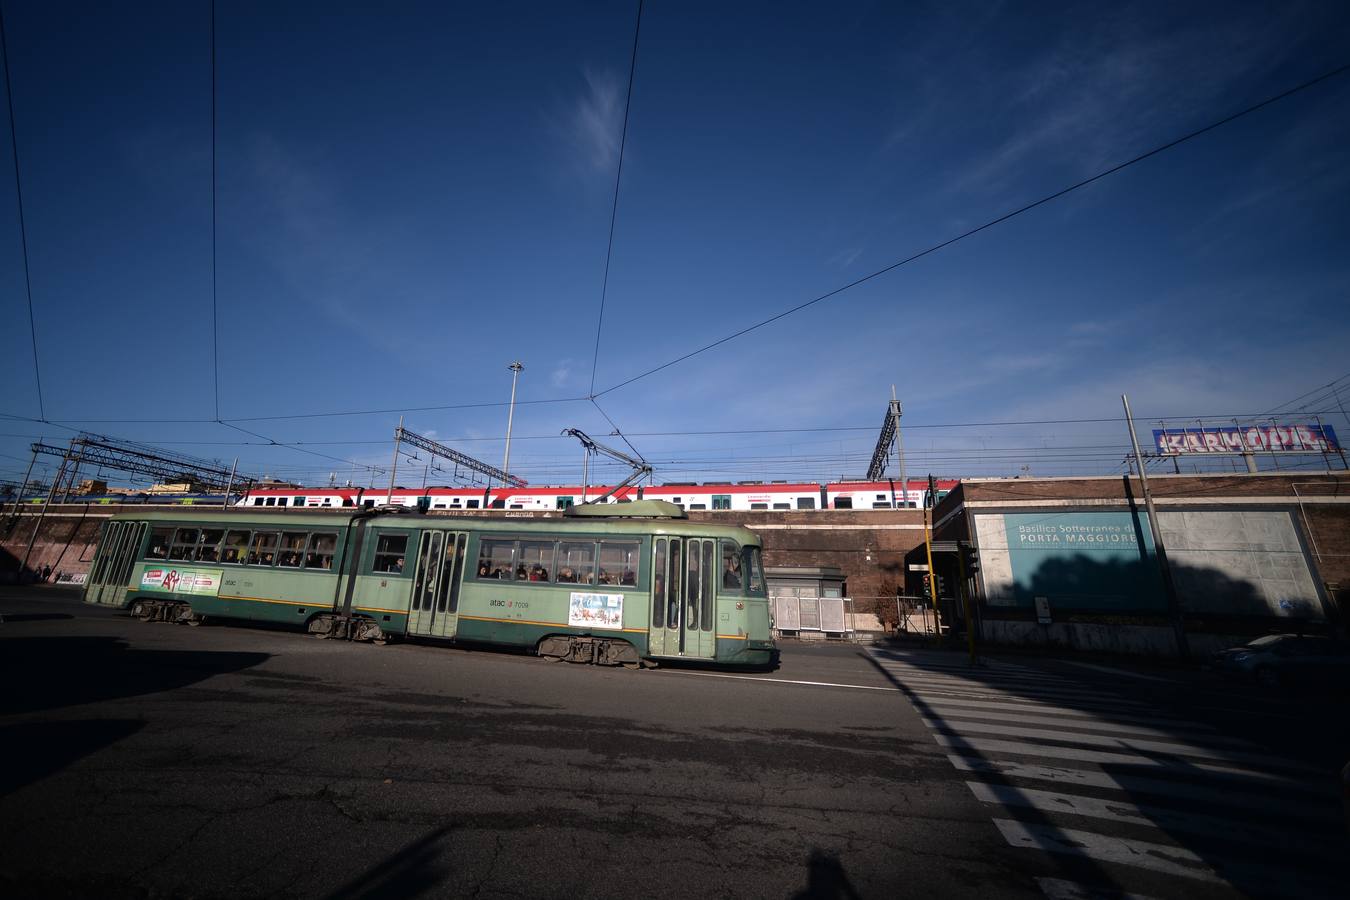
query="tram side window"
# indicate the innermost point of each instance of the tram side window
(659, 585)
(754, 565)
(321, 549)
(496, 559)
(236, 547)
(159, 543)
(706, 595)
(263, 551)
(843, 502)
(209, 549)
(184, 543)
(576, 562)
(536, 561)
(389, 553)
(731, 568)
(292, 549)
(619, 562)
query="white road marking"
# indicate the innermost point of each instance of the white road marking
(1152, 816)
(1103, 848)
(1126, 672)
(1059, 889)
(948, 712)
(1015, 691)
(1032, 706)
(1205, 792)
(1014, 701)
(1016, 748)
(961, 727)
(859, 687)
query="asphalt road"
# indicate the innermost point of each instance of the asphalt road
(159, 760)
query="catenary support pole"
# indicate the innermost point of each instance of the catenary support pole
(229, 483)
(51, 497)
(18, 500)
(1169, 588)
(393, 470)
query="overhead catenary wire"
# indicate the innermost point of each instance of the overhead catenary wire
(987, 225)
(614, 209)
(23, 227)
(215, 315)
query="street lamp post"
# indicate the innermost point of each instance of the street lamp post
(515, 368)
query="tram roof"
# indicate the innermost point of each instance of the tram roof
(298, 518)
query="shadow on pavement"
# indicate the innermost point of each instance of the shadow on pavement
(41, 673)
(35, 750)
(410, 872)
(826, 879)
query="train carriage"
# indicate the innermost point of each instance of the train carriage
(610, 584)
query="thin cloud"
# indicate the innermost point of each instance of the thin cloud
(595, 121)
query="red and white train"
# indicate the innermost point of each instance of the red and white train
(745, 497)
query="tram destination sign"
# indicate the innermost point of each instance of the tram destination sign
(1245, 439)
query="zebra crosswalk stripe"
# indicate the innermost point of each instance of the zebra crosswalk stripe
(1099, 757)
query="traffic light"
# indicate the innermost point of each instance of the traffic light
(927, 591)
(970, 558)
(941, 585)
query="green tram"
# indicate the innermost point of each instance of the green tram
(615, 584)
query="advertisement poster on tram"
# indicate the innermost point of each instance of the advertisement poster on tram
(173, 580)
(595, 611)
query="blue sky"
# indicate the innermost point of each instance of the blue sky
(410, 198)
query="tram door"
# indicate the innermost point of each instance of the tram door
(433, 608)
(117, 552)
(683, 609)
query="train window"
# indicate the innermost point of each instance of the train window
(659, 586)
(263, 550)
(271, 501)
(535, 561)
(782, 506)
(564, 502)
(576, 562)
(698, 506)
(517, 506)
(619, 562)
(320, 552)
(257, 501)
(209, 549)
(755, 567)
(389, 553)
(368, 504)
(496, 559)
(473, 504)
(706, 593)
(806, 502)
(298, 501)
(292, 549)
(721, 501)
(184, 543)
(236, 547)
(881, 496)
(159, 544)
(843, 502)
(881, 505)
(759, 506)
(731, 568)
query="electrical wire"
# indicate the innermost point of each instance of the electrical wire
(23, 228)
(614, 210)
(987, 225)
